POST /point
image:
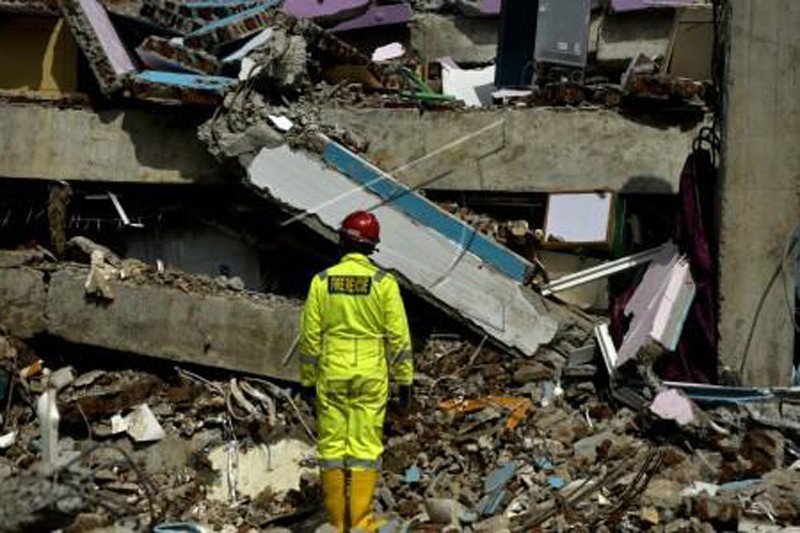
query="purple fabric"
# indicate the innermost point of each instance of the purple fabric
(696, 357)
(377, 16)
(695, 360)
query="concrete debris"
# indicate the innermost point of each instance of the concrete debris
(232, 28)
(474, 461)
(158, 53)
(282, 60)
(61, 378)
(8, 439)
(524, 415)
(98, 282)
(189, 318)
(48, 415)
(670, 404)
(143, 426)
(276, 468)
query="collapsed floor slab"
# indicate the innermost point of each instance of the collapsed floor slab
(436, 255)
(227, 330)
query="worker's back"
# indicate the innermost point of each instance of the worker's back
(351, 300)
(351, 306)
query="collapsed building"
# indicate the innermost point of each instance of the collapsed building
(567, 191)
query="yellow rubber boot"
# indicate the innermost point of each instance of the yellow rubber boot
(334, 496)
(362, 489)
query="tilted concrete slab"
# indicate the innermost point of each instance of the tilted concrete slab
(234, 332)
(532, 150)
(99, 41)
(113, 146)
(436, 255)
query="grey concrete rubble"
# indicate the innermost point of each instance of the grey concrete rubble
(189, 319)
(214, 441)
(138, 397)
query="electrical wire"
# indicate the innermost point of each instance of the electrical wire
(779, 270)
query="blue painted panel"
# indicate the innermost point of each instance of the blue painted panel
(217, 84)
(420, 209)
(221, 23)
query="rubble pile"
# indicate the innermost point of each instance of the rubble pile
(491, 442)
(137, 447)
(508, 232)
(499, 443)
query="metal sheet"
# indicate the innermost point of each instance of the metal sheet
(562, 32)
(429, 262)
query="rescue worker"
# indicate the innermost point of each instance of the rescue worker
(354, 336)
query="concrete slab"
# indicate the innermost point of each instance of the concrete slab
(113, 145)
(532, 150)
(99, 41)
(413, 245)
(234, 333)
(468, 40)
(22, 301)
(624, 35)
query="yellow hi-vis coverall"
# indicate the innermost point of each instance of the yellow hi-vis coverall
(353, 333)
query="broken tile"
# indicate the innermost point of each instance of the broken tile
(671, 404)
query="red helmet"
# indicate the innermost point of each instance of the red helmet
(361, 226)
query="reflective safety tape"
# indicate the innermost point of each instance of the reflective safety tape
(322, 275)
(350, 462)
(329, 464)
(405, 355)
(309, 359)
(379, 275)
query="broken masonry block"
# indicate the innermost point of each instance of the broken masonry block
(158, 53)
(233, 28)
(158, 12)
(92, 29)
(157, 86)
(214, 9)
